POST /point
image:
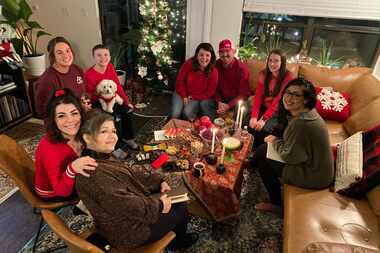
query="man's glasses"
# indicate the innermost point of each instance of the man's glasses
(293, 94)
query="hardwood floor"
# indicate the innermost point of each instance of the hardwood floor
(18, 223)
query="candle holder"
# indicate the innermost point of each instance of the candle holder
(220, 169)
(211, 159)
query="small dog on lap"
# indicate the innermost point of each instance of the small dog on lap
(106, 91)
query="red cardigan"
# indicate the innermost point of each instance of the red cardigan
(196, 83)
(271, 103)
(54, 176)
(94, 77)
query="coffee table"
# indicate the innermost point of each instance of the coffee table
(217, 196)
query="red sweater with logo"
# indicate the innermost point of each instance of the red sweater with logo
(271, 103)
(94, 77)
(233, 82)
(196, 84)
(54, 176)
(52, 80)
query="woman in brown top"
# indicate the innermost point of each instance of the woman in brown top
(118, 196)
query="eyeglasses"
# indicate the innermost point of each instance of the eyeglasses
(293, 94)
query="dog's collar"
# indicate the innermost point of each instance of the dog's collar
(108, 99)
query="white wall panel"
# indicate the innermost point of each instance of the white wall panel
(350, 9)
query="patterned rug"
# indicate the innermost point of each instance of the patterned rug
(252, 231)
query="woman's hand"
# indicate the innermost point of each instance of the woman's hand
(252, 123)
(270, 138)
(165, 187)
(131, 106)
(166, 202)
(260, 124)
(222, 108)
(186, 101)
(83, 164)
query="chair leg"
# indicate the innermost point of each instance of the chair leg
(38, 234)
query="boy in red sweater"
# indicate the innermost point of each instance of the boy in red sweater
(103, 69)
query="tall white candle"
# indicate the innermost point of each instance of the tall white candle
(241, 116)
(223, 151)
(238, 113)
(213, 140)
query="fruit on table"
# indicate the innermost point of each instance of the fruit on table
(207, 134)
(231, 143)
(206, 121)
(171, 150)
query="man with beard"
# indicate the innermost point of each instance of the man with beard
(233, 83)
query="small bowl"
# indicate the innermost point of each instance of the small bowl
(219, 122)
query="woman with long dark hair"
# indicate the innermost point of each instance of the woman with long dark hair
(196, 85)
(272, 81)
(304, 146)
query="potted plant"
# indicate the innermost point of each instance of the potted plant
(17, 14)
(325, 59)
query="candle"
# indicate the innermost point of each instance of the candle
(223, 151)
(238, 112)
(213, 140)
(241, 116)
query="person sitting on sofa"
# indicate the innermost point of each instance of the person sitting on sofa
(233, 78)
(58, 158)
(103, 69)
(304, 146)
(272, 81)
(196, 85)
(119, 196)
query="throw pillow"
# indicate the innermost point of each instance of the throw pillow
(349, 162)
(371, 166)
(333, 105)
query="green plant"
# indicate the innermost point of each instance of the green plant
(120, 45)
(17, 14)
(248, 51)
(325, 57)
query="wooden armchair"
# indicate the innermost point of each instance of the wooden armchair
(78, 243)
(17, 164)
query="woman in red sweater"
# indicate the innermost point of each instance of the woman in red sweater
(272, 81)
(58, 153)
(196, 85)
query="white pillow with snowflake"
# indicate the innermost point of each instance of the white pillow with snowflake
(333, 105)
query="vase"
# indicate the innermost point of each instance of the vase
(35, 65)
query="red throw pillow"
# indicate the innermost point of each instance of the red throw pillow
(371, 166)
(333, 105)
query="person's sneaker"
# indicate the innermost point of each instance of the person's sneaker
(188, 240)
(131, 144)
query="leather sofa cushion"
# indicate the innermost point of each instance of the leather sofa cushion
(364, 119)
(256, 66)
(365, 89)
(336, 132)
(340, 79)
(324, 247)
(319, 216)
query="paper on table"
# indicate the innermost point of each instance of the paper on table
(159, 135)
(273, 154)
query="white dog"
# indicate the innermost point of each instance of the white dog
(106, 91)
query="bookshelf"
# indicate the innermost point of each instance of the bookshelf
(14, 104)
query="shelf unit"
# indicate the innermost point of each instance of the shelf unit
(14, 103)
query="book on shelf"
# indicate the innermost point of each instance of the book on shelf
(7, 87)
(5, 108)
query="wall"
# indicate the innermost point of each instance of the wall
(376, 70)
(212, 21)
(77, 20)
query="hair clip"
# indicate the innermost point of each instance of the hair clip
(59, 93)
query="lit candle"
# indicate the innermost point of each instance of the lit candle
(223, 151)
(241, 116)
(213, 140)
(238, 113)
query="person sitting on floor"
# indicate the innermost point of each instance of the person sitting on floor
(304, 146)
(119, 196)
(103, 69)
(58, 159)
(196, 85)
(269, 88)
(233, 78)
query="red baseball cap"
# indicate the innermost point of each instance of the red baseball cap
(226, 44)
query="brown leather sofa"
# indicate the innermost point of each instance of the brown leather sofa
(323, 221)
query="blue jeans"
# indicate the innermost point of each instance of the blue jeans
(193, 108)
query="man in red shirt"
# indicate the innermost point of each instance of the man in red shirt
(233, 83)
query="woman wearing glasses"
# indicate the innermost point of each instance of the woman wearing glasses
(304, 146)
